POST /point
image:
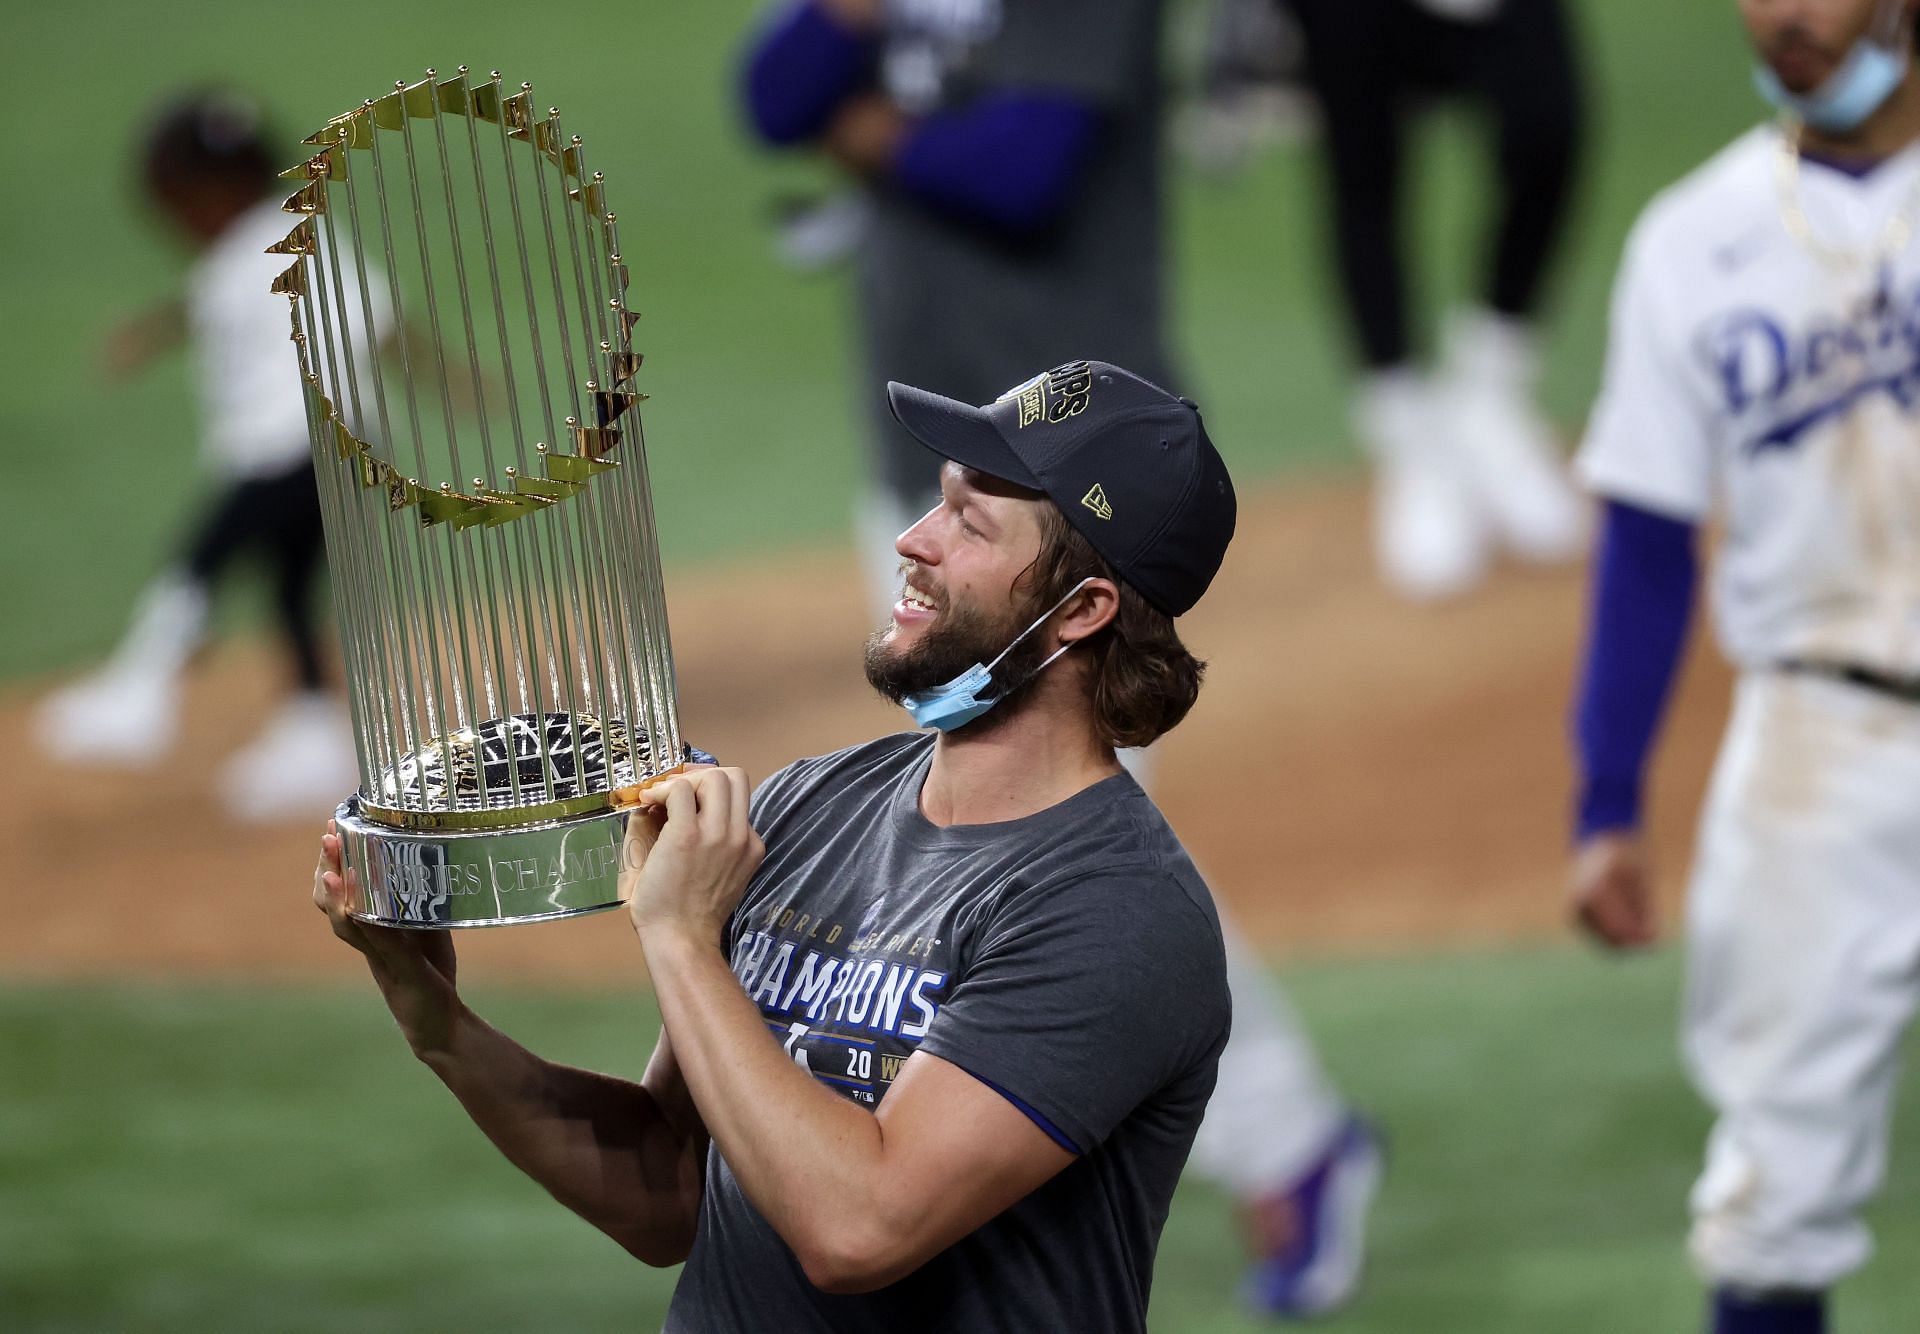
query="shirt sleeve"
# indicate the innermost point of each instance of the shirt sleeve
(779, 792)
(1648, 441)
(1104, 51)
(1084, 998)
(1009, 160)
(1638, 611)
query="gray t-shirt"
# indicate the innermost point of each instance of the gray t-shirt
(1070, 960)
(958, 308)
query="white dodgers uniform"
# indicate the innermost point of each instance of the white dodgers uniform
(1764, 373)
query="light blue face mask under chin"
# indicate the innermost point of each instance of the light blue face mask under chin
(1865, 79)
(964, 698)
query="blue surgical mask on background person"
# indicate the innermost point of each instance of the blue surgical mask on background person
(1865, 79)
(966, 696)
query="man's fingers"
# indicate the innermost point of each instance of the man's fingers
(1598, 917)
(1639, 925)
(1617, 912)
(394, 955)
(1606, 921)
(714, 792)
(330, 897)
(643, 830)
(681, 804)
(742, 790)
(654, 795)
(723, 795)
(1634, 902)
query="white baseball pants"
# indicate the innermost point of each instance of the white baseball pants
(1804, 965)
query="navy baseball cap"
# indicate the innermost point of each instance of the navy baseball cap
(1129, 465)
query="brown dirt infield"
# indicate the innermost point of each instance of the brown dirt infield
(1358, 774)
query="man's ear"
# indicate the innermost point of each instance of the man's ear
(1089, 611)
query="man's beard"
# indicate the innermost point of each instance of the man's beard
(961, 637)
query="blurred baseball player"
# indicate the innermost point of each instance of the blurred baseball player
(1464, 461)
(1011, 160)
(208, 167)
(1764, 371)
(977, 991)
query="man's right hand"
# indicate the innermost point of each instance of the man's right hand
(413, 969)
(861, 16)
(1612, 890)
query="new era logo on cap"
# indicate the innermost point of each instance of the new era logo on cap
(1129, 465)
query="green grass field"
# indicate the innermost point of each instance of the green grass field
(752, 418)
(232, 1159)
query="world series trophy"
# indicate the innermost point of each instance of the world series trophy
(459, 315)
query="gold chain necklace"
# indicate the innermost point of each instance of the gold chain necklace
(1894, 235)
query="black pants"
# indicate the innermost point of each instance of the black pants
(1370, 63)
(278, 518)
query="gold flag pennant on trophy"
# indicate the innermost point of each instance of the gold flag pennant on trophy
(457, 299)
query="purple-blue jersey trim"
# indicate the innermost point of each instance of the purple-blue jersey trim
(799, 71)
(1007, 159)
(1858, 168)
(1639, 607)
(1053, 1132)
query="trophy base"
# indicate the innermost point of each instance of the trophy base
(492, 877)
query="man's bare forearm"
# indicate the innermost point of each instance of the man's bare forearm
(808, 1159)
(621, 1155)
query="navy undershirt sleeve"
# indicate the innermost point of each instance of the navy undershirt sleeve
(802, 68)
(1008, 159)
(1640, 604)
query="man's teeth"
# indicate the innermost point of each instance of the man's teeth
(913, 599)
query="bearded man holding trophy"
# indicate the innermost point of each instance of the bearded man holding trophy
(940, 1013)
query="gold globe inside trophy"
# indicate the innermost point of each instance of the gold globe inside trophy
(459, 313)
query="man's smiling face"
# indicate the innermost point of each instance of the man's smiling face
(960, 601)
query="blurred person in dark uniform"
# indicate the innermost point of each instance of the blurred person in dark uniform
(1465, 463)
(1009, 152)
(1013, 171)
(208, 168)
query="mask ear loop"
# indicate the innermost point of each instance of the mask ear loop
(1887, 20)
(1053, 657)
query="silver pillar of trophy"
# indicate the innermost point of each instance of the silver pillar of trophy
(459, 313)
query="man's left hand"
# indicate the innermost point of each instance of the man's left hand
(690, 852)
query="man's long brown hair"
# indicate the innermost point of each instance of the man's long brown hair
(1141, 678)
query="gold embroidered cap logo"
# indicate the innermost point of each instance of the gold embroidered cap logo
(1054, 395)
(1096, 500)
(1033, 401)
